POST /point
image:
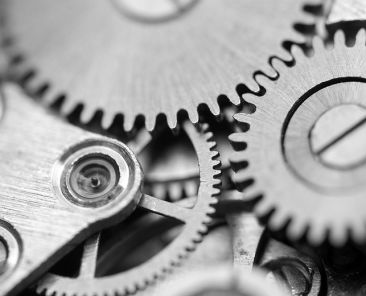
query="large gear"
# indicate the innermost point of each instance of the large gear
(195, 219)
(302, 153)
(103, 55)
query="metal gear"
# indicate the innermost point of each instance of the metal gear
(178, 175)
(189, 55)
(302, 155)
(195, 219)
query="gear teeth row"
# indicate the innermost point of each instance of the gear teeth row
(294, 227)
(51, 95)
(33, 84)
(210, 176)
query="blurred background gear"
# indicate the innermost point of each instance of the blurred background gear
(125, 57)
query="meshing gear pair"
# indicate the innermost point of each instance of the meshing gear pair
(303, 154)
(193, 214)
(142, 58)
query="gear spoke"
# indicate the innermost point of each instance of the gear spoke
(89, 257)
(165, 208)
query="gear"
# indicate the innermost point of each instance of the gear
(194, 218)
(103, 55)
(178, 175)
(303, 152)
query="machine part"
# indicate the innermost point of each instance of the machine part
(38, 225)
(194, 218)
(173, 172)
(221, 280)
(118, 64)
(296, 272)
(302, 153)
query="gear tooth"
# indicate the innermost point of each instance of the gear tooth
(209, 136)
(193, 116)
(251, 192)
(240, 177)
(205, 127)
(279, 64)
(268, 71)
(107, 120)
(263, 80)
(241, 117)
(297, 53)
(307, 19)
(338, 235)
(214, 108)
(295, 229)
(358, 233)
(214, 154)
(172, 121)
(277, 220)
(32, 84)
(286, 55)
(128, 122)
(316, 234)
(361, 37)
(238, 158)
(191, 188)
(67, 107)
(252, 85)
(86, 114)
(149, 123)
(318, 44)
(215, 162)
(238, 141)
(339, 38)
(175, 191)
(158, 190)
(17, 70)
(233, 97)
(262, 208)
(51, 96)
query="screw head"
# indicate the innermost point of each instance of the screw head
(337, 138)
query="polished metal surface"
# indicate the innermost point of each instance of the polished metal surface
(182, 148)
(289, 171)
(126, 65)
(193, 214)
(31, 209)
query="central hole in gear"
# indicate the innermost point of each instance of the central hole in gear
(94, 176)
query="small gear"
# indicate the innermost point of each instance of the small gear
(104, 56)
(303, 153)
(194, 218)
